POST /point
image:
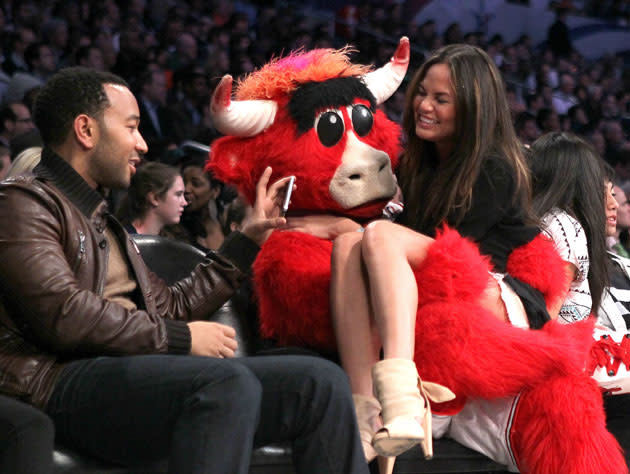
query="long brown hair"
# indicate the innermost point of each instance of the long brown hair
(434, 190)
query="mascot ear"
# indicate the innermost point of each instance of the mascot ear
(240, 118)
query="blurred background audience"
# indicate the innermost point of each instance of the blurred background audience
(173, 52)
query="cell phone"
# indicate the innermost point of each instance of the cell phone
(287, 195)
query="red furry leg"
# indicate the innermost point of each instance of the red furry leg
(560, 427)
(464, 347)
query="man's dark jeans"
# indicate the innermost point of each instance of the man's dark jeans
(26, 438)
(206, 414)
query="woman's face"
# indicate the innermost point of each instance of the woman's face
(197, 187)
(434, 109)
(611, 209)
(623, 208)
(171, 206)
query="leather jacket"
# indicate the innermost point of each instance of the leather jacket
(53, 265)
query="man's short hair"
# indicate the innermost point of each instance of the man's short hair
(71, 92)
(6, 113)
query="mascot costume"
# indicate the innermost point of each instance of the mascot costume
(314, 115)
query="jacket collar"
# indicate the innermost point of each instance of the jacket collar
(55, 169)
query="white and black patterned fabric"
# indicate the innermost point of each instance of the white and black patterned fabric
(570, 241)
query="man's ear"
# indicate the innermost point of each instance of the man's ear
(9, 125)
(86, 131)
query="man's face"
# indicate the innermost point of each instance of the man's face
(23, 121)
(119, 144)
(156, 91)
(530, 131)
(47, 61)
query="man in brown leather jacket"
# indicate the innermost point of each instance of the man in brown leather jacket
(124, 364)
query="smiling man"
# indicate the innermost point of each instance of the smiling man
(127, 367)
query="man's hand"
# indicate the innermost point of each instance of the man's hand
(266, 213)
(323, 226)
(212, 339)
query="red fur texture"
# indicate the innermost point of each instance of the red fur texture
(292, 280)
(539, 264)
(241, 161)
(559, 427)
(452, 270)
(466, 348)
(463, 346)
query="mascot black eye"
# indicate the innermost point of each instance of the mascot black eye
(330, 127)
(362, 120)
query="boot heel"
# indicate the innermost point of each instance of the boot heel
(368, 411)
(385, 465)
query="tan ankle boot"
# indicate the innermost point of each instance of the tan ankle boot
(368, 411)
(406, 410)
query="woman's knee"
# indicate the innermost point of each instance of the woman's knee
(383, 241)
(343, 246)
(377, 238)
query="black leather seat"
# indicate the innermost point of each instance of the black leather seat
(173, 260)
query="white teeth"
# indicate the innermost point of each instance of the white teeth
(426, 120)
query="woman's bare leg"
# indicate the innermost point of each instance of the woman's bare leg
(357, 339)
(389, 252)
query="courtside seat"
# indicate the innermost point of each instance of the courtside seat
(173, 260)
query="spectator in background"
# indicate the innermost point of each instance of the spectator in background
(156, 124)
(558, 39)
(131, 59)
(188, 113)
(15, 119)
(453, 34)
(41, 61)
(622, 162)
(597, 140)
(90, 56)
(55, 35)
(202, 215)
(515, 103)
(619, 241)
(548, 121)
(155, 199)
(610, 108)
(563, 99)
(426, 35)
(534, 102)
(578, 120)
(186, 52)
(613, 133)
(19, 40)
(526, 128)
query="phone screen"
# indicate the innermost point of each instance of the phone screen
(287, 195)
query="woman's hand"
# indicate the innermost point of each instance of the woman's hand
(323, 226)
(266, 213)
